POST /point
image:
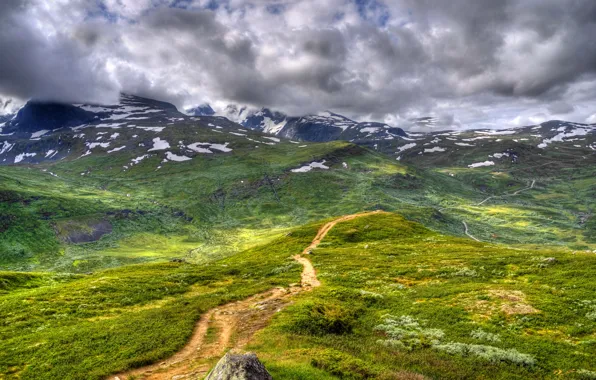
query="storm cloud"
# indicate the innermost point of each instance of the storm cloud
(467, 63)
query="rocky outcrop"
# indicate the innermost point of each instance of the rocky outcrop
(237, 366)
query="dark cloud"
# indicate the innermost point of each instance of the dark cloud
(459, 61)
(46, 65)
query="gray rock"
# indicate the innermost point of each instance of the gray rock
(236, 366)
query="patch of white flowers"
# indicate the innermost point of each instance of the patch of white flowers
(485, 336)
(591, 306)
(466, 272)
(489, 353)
(370, 295)
(407, 333)
(585, 374)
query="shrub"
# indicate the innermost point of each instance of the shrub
(486, 336)
(321, 318)
(489, 353)
(466, 272)
(370, 295)
(342, 365)
(405, 332)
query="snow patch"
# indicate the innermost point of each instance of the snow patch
(221, 147)
(478, 164)
(311, 166)
(477, 138)
(405, 147)
(564, 135)
(113, 126)
(435, 149)
(96, 144)
(269, 126)
(173, 157)
(6, 147)
(22, 156)
(117, 149)
(135, 161)
(196, 147)
(369, 130)
(496, 132)
(159, 144)
(39, 133)
(152, 129)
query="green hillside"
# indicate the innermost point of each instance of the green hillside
(109, 259)
(396, 301)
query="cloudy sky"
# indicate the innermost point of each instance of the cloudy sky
(469, 63)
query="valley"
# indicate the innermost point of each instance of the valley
(140, 241)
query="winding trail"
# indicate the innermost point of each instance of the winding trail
(467, 232)
(508, 195)
(231, 326)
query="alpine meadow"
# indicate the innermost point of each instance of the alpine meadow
(339, 189)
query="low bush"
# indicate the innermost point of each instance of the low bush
(321, 318)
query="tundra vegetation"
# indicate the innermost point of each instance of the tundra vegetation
(404, 294)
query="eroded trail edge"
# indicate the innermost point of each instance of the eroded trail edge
(232, 325)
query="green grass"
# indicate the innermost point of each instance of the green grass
(204, 209)
(537, 302)
(218, 205)
(87, 327)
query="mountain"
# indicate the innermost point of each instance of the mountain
(437, 249)
(201, 110)
(473, 148)
(47, 132)
(325, 126)
(38, 118)
(4, 119)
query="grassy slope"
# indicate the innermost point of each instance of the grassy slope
(203, 209)
(215, 206)
(87, 326)
(382, 265)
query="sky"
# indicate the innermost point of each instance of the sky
(467, 63)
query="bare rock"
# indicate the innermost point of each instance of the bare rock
(237, 366)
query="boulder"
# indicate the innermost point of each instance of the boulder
(238, 366)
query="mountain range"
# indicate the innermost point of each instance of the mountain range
(127, 229)
(45, 131)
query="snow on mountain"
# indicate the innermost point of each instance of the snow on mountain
(324, 126)
(37, 117)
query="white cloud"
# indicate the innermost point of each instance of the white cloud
(465, 63)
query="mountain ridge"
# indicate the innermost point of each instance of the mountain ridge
(47, 131)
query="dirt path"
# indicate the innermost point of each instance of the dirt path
(232, 325)
(309, 276)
